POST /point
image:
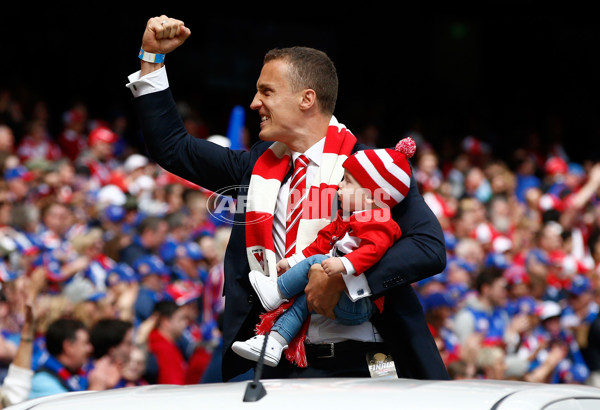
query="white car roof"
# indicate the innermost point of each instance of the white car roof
(346, 393)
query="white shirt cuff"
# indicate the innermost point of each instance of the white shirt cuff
(348, 265)
(357, 287)
(296, 258)
(149, 83)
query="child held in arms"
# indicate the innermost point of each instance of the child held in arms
(374, 181)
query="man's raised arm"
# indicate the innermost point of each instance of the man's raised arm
(165, 136)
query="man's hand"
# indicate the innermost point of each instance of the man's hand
(331, 266)
(323, 291)
(519, 324)
(164, 34)
(104, 375)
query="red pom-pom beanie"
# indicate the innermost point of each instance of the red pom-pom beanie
(384, 172)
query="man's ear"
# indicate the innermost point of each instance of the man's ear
(308, 99)
(66, 346)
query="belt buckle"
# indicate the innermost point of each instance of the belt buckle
(331, 351)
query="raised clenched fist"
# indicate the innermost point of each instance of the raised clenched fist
(164, 34)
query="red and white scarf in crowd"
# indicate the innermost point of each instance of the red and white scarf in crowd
(268, 173)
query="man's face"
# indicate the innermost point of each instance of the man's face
(156, 237)
(58, 218)
(498, 293)
(154, 282)
(103, 150)
(7, 139)
(121, 353)
(552, 325)
(178, 322)
(79, 349)
(276, 103)
(135, 366)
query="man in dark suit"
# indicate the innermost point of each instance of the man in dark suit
(295, 103)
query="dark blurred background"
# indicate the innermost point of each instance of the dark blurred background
(504, 76)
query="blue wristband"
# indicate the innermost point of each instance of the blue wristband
(151, 57)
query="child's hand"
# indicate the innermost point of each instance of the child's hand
(331, 266)
(282, 266)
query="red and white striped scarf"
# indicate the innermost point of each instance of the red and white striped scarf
(268, 173)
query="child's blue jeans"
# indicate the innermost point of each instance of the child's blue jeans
(293, 282)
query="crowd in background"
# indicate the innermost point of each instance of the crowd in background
(105, 237)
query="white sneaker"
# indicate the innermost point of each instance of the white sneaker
(251, 348)
(267, 291)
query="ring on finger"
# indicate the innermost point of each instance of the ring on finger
(162, 23)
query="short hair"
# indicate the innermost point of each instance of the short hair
(165, 308)
(458, 369)
(150, 223)
(488, 355)
(106, 334)
(310, 68)
(61, 330)
(177, 219)
(48, 205)
(487, 276)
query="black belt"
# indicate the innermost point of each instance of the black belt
(341, 349)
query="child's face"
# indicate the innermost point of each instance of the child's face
(353, 197)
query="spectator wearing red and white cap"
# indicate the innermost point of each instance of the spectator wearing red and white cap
(556, 166)
(98, 157)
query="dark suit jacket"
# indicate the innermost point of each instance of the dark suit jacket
(420, 252)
